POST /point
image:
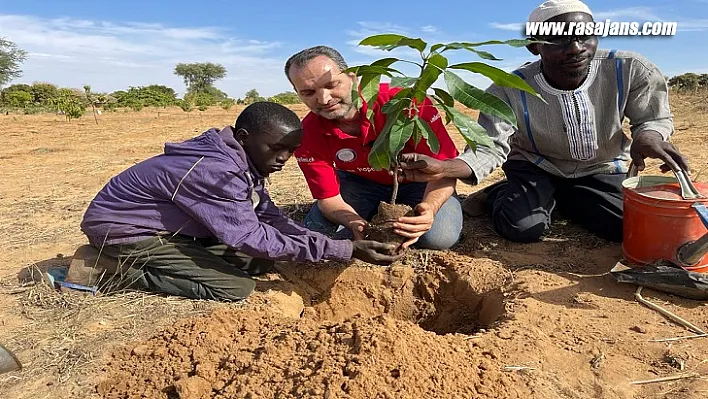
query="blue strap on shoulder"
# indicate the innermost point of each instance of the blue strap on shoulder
(527, 119)
(620, 98)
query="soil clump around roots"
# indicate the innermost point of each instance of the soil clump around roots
(381, 226)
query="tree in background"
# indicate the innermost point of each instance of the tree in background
(210, 96)
(42, 93)
(285, 98)
(703, 81)
(70, 103)
(199, 76)
(17, 99)
(11, 57)
(146, 96)
(227, 103)
(689, 82)
(251, 97)
(10, 95)
(185, 105)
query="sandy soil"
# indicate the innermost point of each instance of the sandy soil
(488, 319)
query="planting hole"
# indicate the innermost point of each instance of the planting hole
(452, 304)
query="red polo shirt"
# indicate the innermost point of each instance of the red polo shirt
(325, 148)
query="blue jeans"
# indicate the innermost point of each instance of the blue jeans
(364, 196)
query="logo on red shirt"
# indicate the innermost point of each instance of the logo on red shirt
(346, 155)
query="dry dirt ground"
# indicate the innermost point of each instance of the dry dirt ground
(488, 319)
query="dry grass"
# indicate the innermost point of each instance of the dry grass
(67, 332)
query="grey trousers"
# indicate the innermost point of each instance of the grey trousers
(185, 266)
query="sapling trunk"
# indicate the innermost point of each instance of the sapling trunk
(381, 226)
(395, 185)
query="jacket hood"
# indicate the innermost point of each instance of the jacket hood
(213, 143)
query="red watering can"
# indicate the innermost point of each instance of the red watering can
(665, 219)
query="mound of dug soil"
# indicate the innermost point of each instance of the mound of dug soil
(386, 333)
(448, 326)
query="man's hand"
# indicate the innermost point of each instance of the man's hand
(376, 252)
(651, 144)
(420, 168)
(413, 227)
(357, 228)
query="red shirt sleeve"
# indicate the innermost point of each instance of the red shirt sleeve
(316, 163)
(447, 147)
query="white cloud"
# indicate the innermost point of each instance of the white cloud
(648, 14)
(369, 28)
(629, 14)
(115, 55)
(694, 25)
(429, 29)
(516, 27)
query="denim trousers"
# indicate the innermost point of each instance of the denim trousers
(364, 196)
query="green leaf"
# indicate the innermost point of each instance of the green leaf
(391, 41)
(436, 46)
(374, 70)
(378, 157)
(370, 92)
(417, 134)
(473, 133)
(453, 46)
(484, 54)
(428, 134)
(400, 99)
(385, 62)
(445, 97)
(387, 39)
(512, 42)
(401, 132)
(475, 98)
(498, 76)
(352, 69)
(438, 61)
(402, 81)
(470, 47)
(405, 93)
(390, 105)
(436, 64)
(356, 98)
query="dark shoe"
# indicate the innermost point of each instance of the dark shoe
(473, 205)
(88, 266)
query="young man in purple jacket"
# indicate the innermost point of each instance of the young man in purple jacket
(197, 220)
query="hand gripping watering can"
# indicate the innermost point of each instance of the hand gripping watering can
(665, 219)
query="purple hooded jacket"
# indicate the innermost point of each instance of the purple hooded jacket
(203, 187)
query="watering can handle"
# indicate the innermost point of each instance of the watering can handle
(688, 190)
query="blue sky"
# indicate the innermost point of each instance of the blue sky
(116, 44)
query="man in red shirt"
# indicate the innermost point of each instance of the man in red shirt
(337, 139)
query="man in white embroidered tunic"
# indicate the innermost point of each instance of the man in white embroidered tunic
(571, 153)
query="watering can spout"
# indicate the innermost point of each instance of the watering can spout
(692, 252)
